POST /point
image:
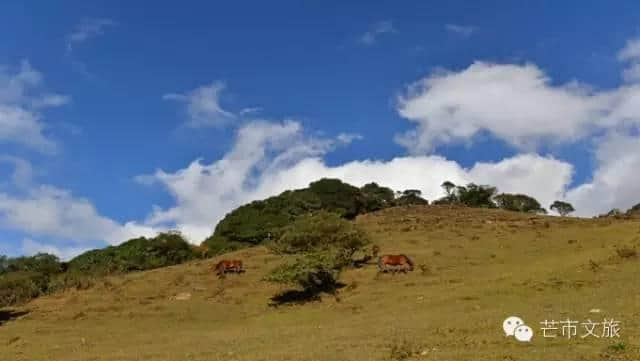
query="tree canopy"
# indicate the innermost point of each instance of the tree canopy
(324, 244)
(564, 208)
(518, 203)
(264, 220)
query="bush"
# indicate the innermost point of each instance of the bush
(137, 254)
(325, 244)
(71, 280)
(40, 263)
(21, 286)
(320, 232)
(314, 272)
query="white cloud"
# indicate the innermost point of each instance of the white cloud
(516, 103)
(462, 30)
(205, 192)
(22, 174)
(545, 178)
(251, 110)
(614, 182)
(203, 106)
(21, 99)
(269, 158)
(347, 138)
(31, 247)
(53, 212)
(377, 30)
(631, 51)
(87, 29)
(631, 54)
(21, 126)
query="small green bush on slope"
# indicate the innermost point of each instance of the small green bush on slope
(24, 278)
(324, 244)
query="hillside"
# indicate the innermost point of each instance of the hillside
(474, 267)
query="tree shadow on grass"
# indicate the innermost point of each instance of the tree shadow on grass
(8, 315)
(298, 297)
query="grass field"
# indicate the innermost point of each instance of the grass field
(474, 268)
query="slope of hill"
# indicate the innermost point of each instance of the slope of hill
(474, 267)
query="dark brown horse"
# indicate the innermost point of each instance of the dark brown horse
(225, 266)
(391, 262)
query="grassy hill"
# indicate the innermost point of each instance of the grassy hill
(474, 267)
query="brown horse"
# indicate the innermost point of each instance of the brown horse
(225, 266)
(390, 262)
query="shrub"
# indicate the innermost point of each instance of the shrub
(137, 254)
(40, 263)
(320, 231)
(21, 286)
(325, 244)
(314, 272)
(71, 280)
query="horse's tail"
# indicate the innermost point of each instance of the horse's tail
(410, 262)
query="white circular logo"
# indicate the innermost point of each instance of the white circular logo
(509, 325)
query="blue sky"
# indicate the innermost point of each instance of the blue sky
(126, 119)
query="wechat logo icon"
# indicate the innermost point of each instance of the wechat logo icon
(514, 326)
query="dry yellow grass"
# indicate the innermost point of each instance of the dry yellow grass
(473, 269)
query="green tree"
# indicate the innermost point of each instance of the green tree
(474, 195)
(39, 263)
(376, 197)
(564, 208)
(313, 272)
(448, 187)
(324, 244)
(321, 231)
(264, 220)
(518, 203)
(410, 197)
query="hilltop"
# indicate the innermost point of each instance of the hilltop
(474, 267)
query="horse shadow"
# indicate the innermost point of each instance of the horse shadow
(8, 315)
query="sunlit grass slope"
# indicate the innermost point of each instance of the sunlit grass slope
(474, 267)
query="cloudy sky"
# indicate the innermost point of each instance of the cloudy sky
(119, 120)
